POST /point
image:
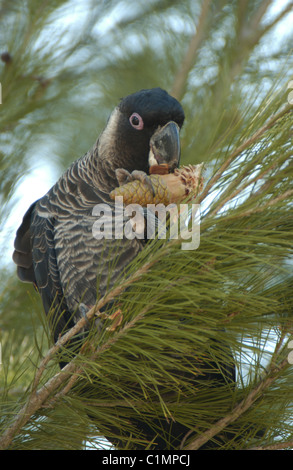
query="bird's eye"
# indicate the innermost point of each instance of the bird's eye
(136, 121)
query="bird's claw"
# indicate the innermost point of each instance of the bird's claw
(123, 176)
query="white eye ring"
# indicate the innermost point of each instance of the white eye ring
(136, 121)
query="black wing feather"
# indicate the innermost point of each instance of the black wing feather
(47, 273)
(35, 257)
(22, 254)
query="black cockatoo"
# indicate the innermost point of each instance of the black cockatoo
(55, 248)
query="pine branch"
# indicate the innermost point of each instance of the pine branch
(72, 370)
(122, 331)
(242, 407)
(245, 145)
(259, 14)
(276, 20)
(94, 311)
(248, 36)
(279, 446)
(264, 207)
(180, 79)
(213, 289)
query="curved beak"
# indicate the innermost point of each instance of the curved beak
(165, 146)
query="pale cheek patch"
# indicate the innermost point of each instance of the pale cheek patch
(152, 160)
(105, 144)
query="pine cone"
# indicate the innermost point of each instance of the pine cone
(184, 184)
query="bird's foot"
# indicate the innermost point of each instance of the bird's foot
(123, 176)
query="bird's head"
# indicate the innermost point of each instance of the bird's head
(143, 130)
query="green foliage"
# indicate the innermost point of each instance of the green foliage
(64, 73)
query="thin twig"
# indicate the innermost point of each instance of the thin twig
(110, 342)
(115, 292)
(260, 175)
(188, 61)
(259, 14)
(239, 409)
(271, 374)
(34, 402)
(276, 20)
(38, 398)
(247, 143)
(251, 32)
(277, 446)
(270, 203)
(100, 350)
